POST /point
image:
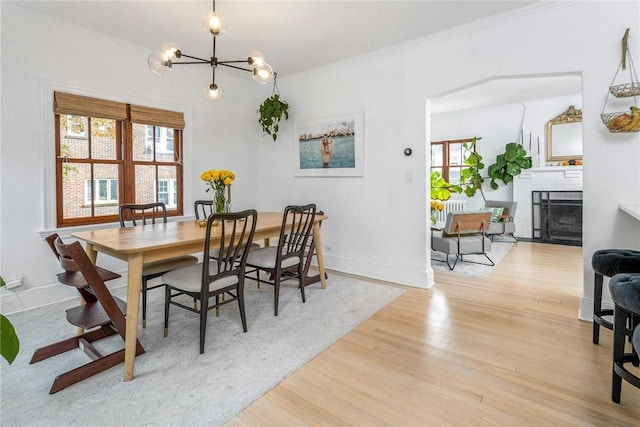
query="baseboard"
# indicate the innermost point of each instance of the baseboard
(15, 301)
(385, 272)
(586, 308)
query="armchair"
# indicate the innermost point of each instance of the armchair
(504, 224)
(464, 234)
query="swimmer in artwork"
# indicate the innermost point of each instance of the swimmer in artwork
(326, 150)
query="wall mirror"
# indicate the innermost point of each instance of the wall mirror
(564, 136)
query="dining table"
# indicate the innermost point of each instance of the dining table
(152, 242)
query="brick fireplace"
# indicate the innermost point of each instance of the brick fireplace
(543, 179)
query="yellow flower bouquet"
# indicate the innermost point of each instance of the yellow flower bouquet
(218, 180)
(435, 207)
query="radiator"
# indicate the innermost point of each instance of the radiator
(450, 206)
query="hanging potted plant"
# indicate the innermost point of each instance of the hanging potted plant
(272, 110)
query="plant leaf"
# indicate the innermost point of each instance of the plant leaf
(9, 342)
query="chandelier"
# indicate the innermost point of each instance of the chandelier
(162, 62)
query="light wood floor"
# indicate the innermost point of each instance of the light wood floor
(503, 350)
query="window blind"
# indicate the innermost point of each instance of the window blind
(157, 117)
(65, 103)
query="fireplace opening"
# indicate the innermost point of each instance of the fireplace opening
(557, 217)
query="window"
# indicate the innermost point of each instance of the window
(168, 192)
(447, 158)
(109, 153)
(102, 191)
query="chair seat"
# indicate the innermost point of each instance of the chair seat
(189, 279)
(164, 265)
(92, 315)
(468, 244)
(266, 258)
(75, 278)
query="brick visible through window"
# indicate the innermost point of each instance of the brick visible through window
(102, 162)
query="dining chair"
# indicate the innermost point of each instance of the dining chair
(215, 277)
(152, 213)
(203, 208)
(101, 315)
(287, 259)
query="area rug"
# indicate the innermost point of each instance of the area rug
(174, 384)
(498, 250)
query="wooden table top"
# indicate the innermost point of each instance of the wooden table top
(143, 238)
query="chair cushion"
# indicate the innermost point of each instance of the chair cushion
(636, 339)
(189, 279)
(610, 262)
(468, 244)
(625, 291)
(495, 213)
(266, 258)
(169, 264)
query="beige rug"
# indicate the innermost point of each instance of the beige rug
(174, 385)
(498, 251)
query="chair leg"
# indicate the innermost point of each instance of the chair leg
(243, 315)
(167, 300)
(597, 305)
(144, 302)
(276, 294)
(301, 279)
(203, 322)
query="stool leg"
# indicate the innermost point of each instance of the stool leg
(619, 328)
(597, 305)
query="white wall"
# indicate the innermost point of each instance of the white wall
(377, 222)
(496, 125)
(39, 54)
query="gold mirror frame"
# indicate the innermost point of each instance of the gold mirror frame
(572, 115)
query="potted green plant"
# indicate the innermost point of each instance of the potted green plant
(440, 190)
(508, 165)
(9, 342)
(271, 111)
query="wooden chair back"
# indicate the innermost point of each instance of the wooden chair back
(468, 222)
(203, 208)
(131, 213)
(236, 230)
(297, 223)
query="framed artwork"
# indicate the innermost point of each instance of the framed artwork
(333, 146)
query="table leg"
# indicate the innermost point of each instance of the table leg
(317, 241)
(134, 283)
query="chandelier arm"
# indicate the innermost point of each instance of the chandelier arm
(191, 62)
(193, 57)
(233, 66)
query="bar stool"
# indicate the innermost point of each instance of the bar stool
(609, 262)
(625, 292)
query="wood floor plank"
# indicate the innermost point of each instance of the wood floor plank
(506, 349)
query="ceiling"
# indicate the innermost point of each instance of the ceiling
(293, 35)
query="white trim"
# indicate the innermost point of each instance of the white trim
(379, 271)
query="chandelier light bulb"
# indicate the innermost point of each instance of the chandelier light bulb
(262, 74)
(256, 59)
(159, 63)
(214, 24)
(213, 92)
(171, 50)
